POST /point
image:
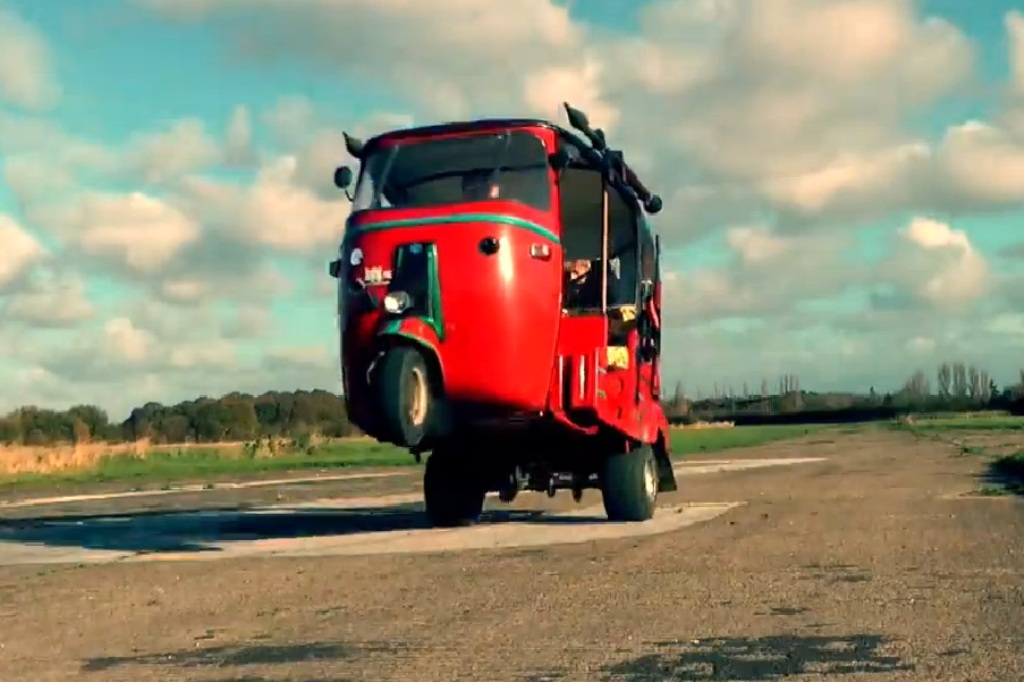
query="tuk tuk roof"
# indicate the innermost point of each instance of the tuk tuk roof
(589, 156)
(458, 127)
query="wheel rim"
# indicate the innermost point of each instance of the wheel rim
(650, 480)
(419, 397)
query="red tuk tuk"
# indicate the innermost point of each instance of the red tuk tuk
(499, 301)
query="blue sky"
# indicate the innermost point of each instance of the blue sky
(129, 71)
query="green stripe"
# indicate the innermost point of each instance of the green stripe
(435, 317)
(456, 219)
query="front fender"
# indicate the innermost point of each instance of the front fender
(419, 331)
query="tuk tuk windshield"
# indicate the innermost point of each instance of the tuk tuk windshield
(509, 166)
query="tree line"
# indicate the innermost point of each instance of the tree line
(957, 387)
(235, 417)
(230, 418)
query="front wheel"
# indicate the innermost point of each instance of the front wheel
(629, 484)
(405, 398)
(453, 488)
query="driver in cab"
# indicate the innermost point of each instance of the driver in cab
(582, 285)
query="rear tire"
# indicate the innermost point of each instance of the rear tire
(453, 489)
(405, 396)
(629, 485)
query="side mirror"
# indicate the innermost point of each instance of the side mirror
(653, 205)
(343, 177)
(334, 269)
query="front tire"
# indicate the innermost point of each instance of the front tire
(405, 396)
(453, 490)
(629, 485)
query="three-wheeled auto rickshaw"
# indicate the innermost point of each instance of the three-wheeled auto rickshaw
(499, 301)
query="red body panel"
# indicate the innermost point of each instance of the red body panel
(502, 342)
(499, 311)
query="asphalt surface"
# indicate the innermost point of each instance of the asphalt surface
(874, 562)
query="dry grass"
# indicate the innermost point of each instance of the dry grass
(53, 459)
(70, 458)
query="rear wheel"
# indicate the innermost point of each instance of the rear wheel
(629, 484)
(453, 488)
(405, 398)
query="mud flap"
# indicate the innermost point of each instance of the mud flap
(666, 475)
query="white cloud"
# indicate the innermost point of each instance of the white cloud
(158, 352)
(852, 181)
(135, 231)
(317, 357)
(291, 118)
(736, 108)
(214, 353)
(1006, 323)
(578, 84)
(315, 163)
(921, 345)
(33, 180)
(768, 274)
(1015, 31)
(273, 211)
(756, 244)
(248, 321)
(42, 163)
(786, 88)
(184, 289)
(27, 78)
(461, 47)
(126, 341)
(939, 265)
(238, 142)
(20, 249)
(983, 164)
(164, 155)
(53, 298)
(127, 347)
(316, 142)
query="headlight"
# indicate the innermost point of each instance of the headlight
(397, 302)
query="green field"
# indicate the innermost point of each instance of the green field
(692, 441)
(203, 463)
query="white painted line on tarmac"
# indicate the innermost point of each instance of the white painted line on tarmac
(195, 488)
(714, 467)
(584, 525)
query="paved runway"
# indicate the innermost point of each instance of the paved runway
(393, 524)
(867, 559)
